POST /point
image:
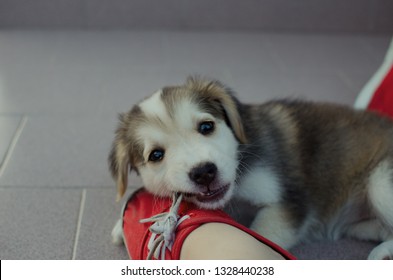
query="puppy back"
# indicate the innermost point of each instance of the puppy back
(325, 151)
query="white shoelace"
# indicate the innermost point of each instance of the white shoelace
(163, 229)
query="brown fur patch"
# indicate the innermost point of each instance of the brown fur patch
(126, 149)
(213, 95)
(338, 149)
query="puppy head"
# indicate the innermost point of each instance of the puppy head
(181, 139)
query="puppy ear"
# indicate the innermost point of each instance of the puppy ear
(119, 160)
(229, 105)
(216, 92)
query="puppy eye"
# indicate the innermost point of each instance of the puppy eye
(156, 155)
(206, 128)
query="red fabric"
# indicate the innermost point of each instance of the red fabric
(382, 100)
(144, 205)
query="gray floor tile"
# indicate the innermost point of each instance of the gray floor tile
(325, 88)
(376, 46)
(75, 72)
(345, 249)
(324, 54)
(354, 81)
(99, 216)
(61, 151)
(316, 87)
(8, 128)
(38, 223)
(211, 53)
(124, 91)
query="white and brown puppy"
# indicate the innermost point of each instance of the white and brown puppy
(314, 170)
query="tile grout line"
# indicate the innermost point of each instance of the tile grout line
(345, 79)
(79, 224)
(13, 143)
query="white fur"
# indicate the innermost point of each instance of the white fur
(380, 191)
(383, 251)
(371, 229)
(272, 223)
(117, 233)
(261, 186)
(185, 148)
(154, 106)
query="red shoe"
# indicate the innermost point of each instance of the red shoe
(162, 236)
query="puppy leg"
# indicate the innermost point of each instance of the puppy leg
(274, 223)
(380, 195)
(369, 230)
(117, 233)
(374, 231)
(380, 192)
(383, 251)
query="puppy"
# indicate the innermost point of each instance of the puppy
(314, 170)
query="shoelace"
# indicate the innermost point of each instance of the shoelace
(163, 229)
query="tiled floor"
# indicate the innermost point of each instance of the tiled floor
(60, 93)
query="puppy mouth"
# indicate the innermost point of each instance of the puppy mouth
(209, 195)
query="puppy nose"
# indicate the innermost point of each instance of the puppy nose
(203, 174)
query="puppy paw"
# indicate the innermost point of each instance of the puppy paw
(384, 251)
(117, 233)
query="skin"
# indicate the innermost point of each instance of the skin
(215, 241)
